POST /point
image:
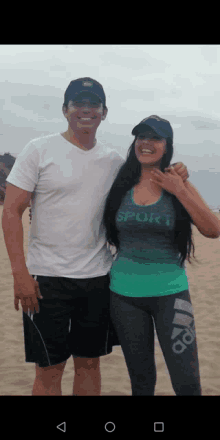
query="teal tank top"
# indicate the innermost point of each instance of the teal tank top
(147, 264)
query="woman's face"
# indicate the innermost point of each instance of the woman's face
(155, 145)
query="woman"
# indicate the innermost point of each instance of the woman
(151, 229)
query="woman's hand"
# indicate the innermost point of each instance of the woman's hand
(171, 181)
(180, 169)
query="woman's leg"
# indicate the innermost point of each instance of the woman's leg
(135, 330)
(175, 326)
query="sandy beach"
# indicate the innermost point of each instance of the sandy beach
(17, 376)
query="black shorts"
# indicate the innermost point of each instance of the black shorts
(73, 320)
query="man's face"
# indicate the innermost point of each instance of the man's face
(85, 112)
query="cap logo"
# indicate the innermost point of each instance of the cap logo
(87, 84)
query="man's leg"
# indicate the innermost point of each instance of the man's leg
(48, 380)
(87, 380)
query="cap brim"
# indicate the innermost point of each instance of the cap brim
(87, 93)
(142, 128)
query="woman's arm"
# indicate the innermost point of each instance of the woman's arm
(203, 218)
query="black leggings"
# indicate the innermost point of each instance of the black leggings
(174, 322)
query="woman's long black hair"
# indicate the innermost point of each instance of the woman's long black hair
(128, 176)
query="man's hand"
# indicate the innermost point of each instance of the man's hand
(180, 169)
(26, 290)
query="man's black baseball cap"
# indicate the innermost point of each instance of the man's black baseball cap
(82, 85)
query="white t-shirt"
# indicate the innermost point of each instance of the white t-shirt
(67, 237)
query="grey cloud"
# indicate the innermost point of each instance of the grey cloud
(58, 68)
(136, 60)
(204, 123)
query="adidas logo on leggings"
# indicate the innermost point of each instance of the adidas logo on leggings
(183, 320)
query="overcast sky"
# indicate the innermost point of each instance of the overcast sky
(177, 82)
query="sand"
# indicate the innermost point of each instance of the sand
(17, 376)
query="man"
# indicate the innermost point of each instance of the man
(68, 175)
